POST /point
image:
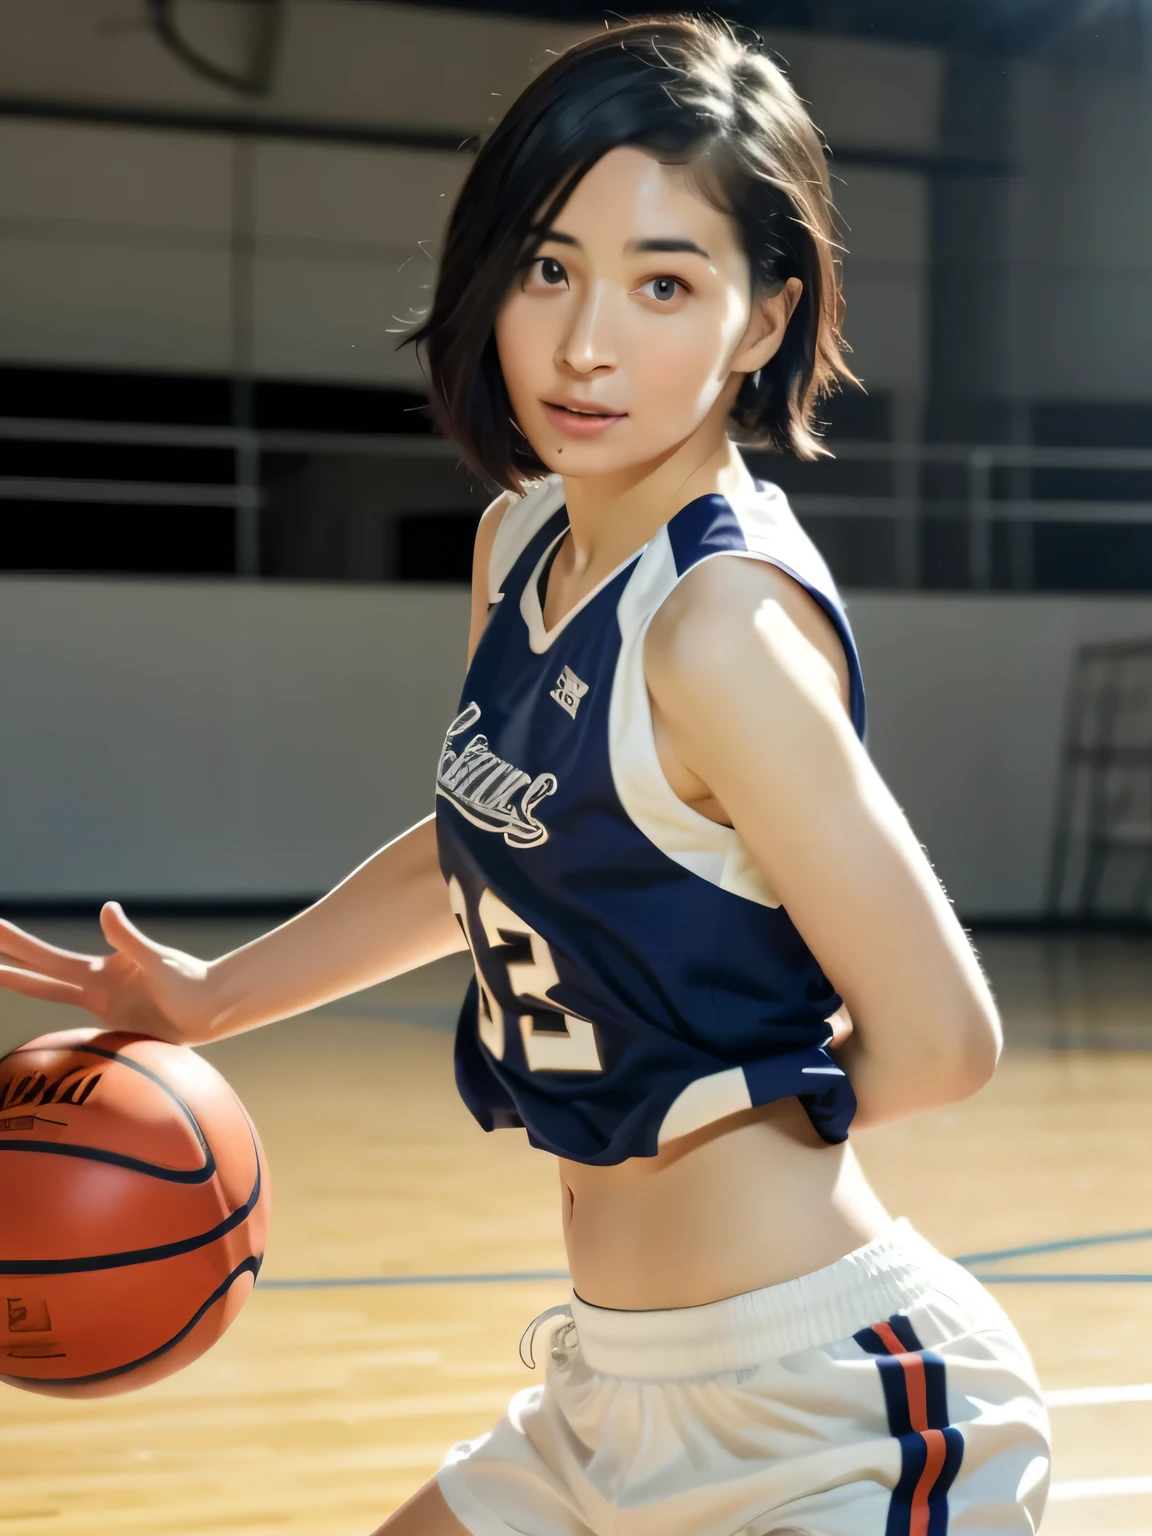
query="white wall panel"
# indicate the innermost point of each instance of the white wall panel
(1087, 336)
(340, 58)
(341, 194)
(207, 739)
(101, 302)
(114, 247)
(886, 214)
(885, 275)
(882, 95)
(1081, 235)
(113, 241)
(123, 179)
(419, 64)
(966, 698)
(885, 327)
(327, 316)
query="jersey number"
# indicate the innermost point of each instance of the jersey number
(554, 1041)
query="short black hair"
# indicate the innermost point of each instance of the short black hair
(692, 90)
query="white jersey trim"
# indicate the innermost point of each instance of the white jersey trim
(519, 525)
(706, 848)
(540, 638)
(704, 1101)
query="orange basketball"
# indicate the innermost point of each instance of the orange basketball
(133, 1210)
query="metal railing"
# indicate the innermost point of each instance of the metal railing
(981, 507)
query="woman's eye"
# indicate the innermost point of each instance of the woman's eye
(667, 288)
(552, 273)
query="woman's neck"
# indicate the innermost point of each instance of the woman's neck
(612, 516)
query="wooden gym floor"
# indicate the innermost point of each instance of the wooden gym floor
(367, 1349)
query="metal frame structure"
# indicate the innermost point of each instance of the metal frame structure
(249, 445)
(1104, 796)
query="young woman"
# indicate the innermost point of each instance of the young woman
(706, 939)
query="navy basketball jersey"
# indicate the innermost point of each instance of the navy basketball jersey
(635, 977)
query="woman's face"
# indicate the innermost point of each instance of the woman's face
(636, 302)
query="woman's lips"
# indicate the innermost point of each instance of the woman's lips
(574, 425)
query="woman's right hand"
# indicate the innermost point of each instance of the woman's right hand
(143, 987)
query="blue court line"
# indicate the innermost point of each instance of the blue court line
(354, 1282)
(365, 1282)
(1060, 1246)
(372, 1282)
(1025, 1279)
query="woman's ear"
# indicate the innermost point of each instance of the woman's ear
(766, 327)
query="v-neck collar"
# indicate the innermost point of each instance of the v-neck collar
(540, 638)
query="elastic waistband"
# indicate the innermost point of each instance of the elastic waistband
(866, 1286)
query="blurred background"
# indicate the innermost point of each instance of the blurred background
(233, 611)
(234, 554)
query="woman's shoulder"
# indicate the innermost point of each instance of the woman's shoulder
(767, 526)
(720, 618)
(753, 519)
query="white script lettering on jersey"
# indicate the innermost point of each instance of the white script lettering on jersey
(568, 692)
(483, 786)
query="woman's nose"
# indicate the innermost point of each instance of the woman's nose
(591, 339)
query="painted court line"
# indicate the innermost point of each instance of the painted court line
(1060, 1245)
(968, 1260)
(1078, 1489)
(1070, 1279)
(1093, 1397)
(1098, 1488)
(352, 1282)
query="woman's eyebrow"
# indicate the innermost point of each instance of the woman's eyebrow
(665, 245)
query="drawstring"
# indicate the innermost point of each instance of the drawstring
(529, 1334)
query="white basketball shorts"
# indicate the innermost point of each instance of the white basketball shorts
(886, 1395)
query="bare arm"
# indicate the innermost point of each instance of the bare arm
(743, 669)
(388, 916)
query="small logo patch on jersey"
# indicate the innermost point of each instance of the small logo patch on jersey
(483, 787)
(568, 692)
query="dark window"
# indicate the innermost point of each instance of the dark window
(65, 538)
(436, 546)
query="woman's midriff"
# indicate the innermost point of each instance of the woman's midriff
(751, 1201)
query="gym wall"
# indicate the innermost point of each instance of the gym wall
(116, 242)
(215, 741)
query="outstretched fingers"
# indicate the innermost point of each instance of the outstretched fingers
(126, 937)
(46, 988)
(62, 964)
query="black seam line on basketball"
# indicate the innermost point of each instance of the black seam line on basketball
(118, 1159)
(139, 1255)
(249, 1266)
(134, 1066)
(197, 1176)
